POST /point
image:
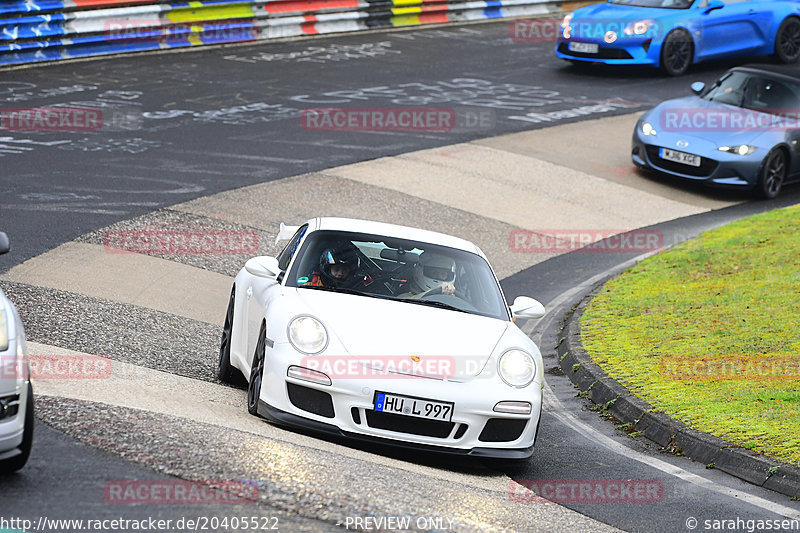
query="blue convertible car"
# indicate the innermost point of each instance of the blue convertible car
(674, 34)
(743, 131)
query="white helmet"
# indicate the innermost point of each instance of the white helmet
(433, 270)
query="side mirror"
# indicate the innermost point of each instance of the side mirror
(525, 307)
(263, 267)
(698, 87)
(5, 244)
(714, 4)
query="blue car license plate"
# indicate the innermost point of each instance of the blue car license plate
(679, 157)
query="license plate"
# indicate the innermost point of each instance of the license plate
(585, 48)
(679, 157)
(418, 407)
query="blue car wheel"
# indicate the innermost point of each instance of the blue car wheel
(677, 52)
(787, 41)
(772, 174)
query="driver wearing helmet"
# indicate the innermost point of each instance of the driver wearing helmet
(432, 272)
(338, 265)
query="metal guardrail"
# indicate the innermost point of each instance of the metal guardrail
(51, 30)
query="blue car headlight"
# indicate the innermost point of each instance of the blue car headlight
(566, 29)
(648, 129)
(639, 27)
(741, 149)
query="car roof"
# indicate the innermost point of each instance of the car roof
(787, 71)
(396, 231)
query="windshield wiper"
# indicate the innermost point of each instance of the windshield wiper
(432, 303)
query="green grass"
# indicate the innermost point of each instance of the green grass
(731, 294)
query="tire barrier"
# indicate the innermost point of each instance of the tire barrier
(50, 30)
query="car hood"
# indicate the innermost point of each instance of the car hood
(378, 328)
(672, 116)
(593, 22)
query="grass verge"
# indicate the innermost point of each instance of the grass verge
(709, 332)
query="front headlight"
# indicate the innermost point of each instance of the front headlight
(741, 149)
(517, 368)
(566, 29)
(308, 335)
(3, 328)
(639, 27)
(648, 129)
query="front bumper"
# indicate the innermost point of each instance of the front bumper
(723, 170)
(13, 404)
(287, 419)
(346, 408)
(621, 52)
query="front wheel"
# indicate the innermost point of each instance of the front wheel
(256, 373)
(225, 372)
(787, 41)
(772, 174)
(12, 464)
(677, 52)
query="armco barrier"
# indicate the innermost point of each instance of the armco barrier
(50, 30)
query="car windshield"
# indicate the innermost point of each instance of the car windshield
(758, 91)
(415, 272)
(666, 4)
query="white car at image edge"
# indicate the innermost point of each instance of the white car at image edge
(387, 334)
(16, 392)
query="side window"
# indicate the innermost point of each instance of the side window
(285, 257)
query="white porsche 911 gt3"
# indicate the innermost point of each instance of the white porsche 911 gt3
(16, 391)
(387, 334)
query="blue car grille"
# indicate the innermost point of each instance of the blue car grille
(603, 53)
(706, 168)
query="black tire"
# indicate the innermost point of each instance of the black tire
(256, 373)
(772, 174)
(225, 372)
(11, 465)
(677, 52)
(787, 41)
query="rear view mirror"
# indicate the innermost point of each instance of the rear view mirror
(697, 87)
(525, 307)
(5, 244)
(263, 266)
(399, 256)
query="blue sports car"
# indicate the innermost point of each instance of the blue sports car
(674, 34)
(743, 131)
